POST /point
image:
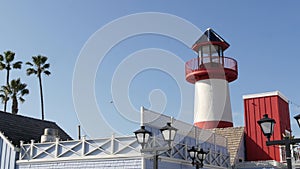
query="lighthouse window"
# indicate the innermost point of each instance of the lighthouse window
(215, 50)
(206, 50)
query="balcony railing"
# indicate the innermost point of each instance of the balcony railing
(210, 67)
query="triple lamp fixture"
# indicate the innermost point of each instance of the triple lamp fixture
(168, 132)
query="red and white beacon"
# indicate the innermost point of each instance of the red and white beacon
(210, 72)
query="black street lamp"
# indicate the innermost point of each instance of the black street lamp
(298, 119)
(168, 132)
(197, 156)
(142, 135)
(267, 126)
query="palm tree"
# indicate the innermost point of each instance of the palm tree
(39, 66)
(4, 95)
(6, 63)
(16, 90)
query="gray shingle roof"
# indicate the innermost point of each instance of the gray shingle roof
(234, 137)
(210, 36)
(20, 128)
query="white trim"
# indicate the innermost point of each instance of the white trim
(91, 158)
(8, 142)
(186, 162)
(273, 93)
(260, 164)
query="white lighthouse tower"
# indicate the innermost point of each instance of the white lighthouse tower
(211, 72)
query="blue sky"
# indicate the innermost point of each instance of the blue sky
(264, 38)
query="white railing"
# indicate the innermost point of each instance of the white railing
(106, 147)
(110, 148)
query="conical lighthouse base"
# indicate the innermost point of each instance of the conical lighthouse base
(212, 108)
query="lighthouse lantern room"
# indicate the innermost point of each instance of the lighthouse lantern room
(210, 72)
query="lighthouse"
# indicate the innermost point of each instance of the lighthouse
(211, 72)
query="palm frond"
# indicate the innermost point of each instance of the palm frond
(9, 56)
(47, 72)
(17, 65)
(22, 86)
(24, 92)
(2, 66)
(22, 100)
(30, 71)
(5, 88)
(43, 59)
(36, 60)
(3, 97)
(17, 89)
(46, 66)
(4, 94)
(13, 83)
(29, 63)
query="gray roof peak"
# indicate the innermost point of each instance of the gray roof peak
(21, 128)
(211, 37)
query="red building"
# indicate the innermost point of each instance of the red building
(256, 105)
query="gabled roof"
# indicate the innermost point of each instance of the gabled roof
(234, 137)
(210, 37)
(20, 128)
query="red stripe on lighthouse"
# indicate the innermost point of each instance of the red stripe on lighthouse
(213, 124)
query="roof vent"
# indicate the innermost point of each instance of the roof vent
(50, 135)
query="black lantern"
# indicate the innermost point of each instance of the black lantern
(267, 126)
(197, 156)
(193, 154)
(201, 156)
(168, 132)
(142, 135)
(298, 119)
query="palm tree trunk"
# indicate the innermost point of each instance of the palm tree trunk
(5, 103)
(7, 83)
(14, 107)
(7, 77)
(42, 100)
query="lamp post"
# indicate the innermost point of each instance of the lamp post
(298, 119)
(142, 135)
(197, 156)
(267, 126)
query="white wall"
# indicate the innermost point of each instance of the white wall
(212, 101)
(7, 154)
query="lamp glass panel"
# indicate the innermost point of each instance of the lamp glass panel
(147, 136)
(166, 135)
(204, 156)
(200, 156)
(140, 138)
(173, 133)
(267, 127)
(192, 154)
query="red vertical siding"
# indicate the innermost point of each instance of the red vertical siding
(255, 141)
